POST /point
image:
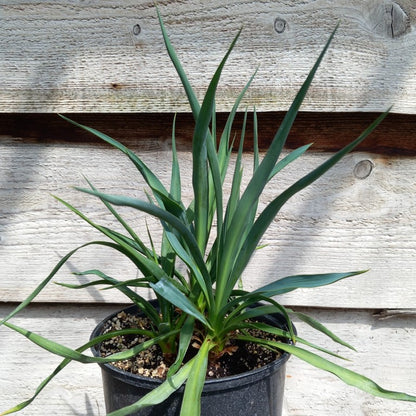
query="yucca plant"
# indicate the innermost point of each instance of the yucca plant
(214, 237)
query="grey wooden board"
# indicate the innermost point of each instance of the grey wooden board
(343, 222)
(386, 353)
(59, 56)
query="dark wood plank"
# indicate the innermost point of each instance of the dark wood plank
(328, 131)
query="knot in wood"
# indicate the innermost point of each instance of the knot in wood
(137, 30)
(363, 169)
(279, 25)
(389, 19)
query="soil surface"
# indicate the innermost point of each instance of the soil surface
(239, 356)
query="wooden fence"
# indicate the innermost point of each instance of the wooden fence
(104, 64)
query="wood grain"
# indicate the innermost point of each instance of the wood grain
(360, 215)
(385, 353)
(93, 57)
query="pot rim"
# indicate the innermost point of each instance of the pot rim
(222, 383)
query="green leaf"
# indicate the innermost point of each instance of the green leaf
(82, 286)
(185, 338)
(140, 245)
(292, 156)
(193, 101)
(248, 310)
(204, 284)
(175, 182)
(170, 292)
(214, 190)
(224, 149)
(147, 174)
(40, 287)
(321, 328)
(141, 282)
(285, 334)
(256, 158)
(200, 158)
(289, 283)
(144, 305)
(63, 351)
(237, 177)
(191, 404)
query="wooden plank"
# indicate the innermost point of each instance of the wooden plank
(88, 57)
(385, 353)
(327, 131)
(358, 216)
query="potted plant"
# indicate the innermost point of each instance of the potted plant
(201, 315)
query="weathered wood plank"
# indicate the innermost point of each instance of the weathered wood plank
(385, 353)
(359, 216)
(327, 131)
(86, 57)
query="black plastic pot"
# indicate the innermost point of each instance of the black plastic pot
(254, 393)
